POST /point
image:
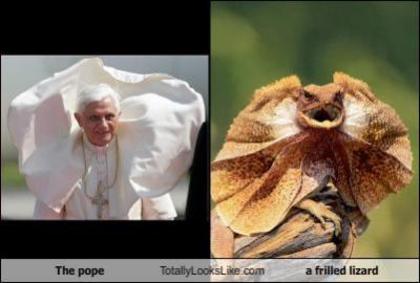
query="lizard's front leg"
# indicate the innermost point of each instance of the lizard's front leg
(321, 212)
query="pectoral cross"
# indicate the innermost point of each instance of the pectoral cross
(100, 201)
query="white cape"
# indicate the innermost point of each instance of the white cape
(160, 120)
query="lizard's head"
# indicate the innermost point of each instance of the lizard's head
(320, 106)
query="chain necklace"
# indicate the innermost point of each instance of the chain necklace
(99, 200)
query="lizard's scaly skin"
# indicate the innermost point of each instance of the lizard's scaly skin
(291, 139)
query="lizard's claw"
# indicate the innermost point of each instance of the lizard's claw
(322, 212)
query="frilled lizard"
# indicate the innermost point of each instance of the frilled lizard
(291, 141)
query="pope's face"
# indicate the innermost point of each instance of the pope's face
(99, 121)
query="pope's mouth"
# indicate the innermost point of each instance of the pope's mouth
(103, 134)
(327, 116)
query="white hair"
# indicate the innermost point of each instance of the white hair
(94, 93)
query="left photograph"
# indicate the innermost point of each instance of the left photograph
(100, 138)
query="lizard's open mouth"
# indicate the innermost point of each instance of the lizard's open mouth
(327, 113)
(328, 116)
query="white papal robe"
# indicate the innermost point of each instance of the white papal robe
(101, 167)
(158, 128)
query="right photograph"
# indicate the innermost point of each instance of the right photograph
(314, 130)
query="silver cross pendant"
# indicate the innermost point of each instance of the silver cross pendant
(100, 201)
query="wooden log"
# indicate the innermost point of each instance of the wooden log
(301, 235)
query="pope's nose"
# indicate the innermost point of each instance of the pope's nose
(103, 125)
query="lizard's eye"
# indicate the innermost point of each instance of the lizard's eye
(308, 95)
(338, 96)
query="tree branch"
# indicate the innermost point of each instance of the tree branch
(301, 235)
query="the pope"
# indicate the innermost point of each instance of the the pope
(95, 142)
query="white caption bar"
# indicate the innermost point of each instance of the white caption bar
(205, 270)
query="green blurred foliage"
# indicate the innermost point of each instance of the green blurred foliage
(11, 178)
(255, 43)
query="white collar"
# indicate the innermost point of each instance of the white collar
(94, 148)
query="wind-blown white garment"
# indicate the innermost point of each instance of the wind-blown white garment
(158, 127)
(102, 165)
